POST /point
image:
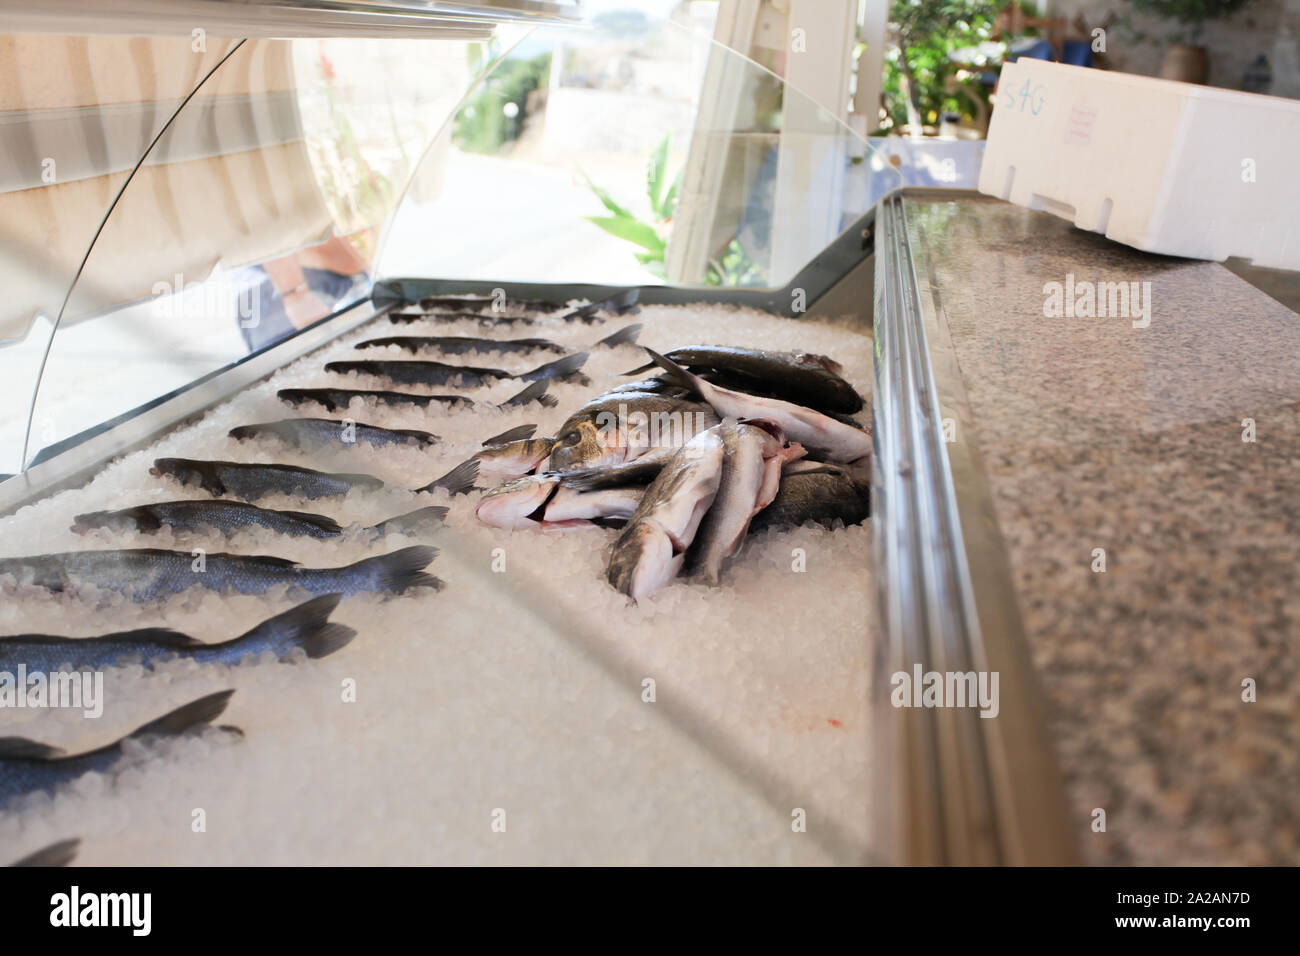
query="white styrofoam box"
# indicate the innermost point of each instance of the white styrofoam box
(1167, 167)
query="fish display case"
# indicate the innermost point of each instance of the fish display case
(253, 229)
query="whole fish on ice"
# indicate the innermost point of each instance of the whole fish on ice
(650, 551)
(149, 574)
(29, 766)
(205, 515)
(461, 344)
(306, 626)
(751, 472)
(339, 399)
(416, 372)
(251, 482)
(322, 432)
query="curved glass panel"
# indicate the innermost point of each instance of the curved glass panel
(256, 213)
(626, 154)
(73, 124)
(633, 153)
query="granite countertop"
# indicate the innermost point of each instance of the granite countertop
(1095, 434)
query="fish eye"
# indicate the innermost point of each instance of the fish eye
(571, 437)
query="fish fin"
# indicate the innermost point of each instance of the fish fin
(269, 560)
(512, 434)
(401, 341)
(307, 626)
(536, 391)
(56, 854)
(640, 368)
(188, 716)
(673, 372)
(404, 522)
(457, 481)
(328, 525)
(160, 636)
(20, 748)
(400, 570)
(624, 336)
(635, 472)
(560, 368)
(427, 437)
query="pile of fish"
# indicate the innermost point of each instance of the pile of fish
(687, 461)
(152, 576)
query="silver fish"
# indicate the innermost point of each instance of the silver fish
(251, 482)
(751, 473)
(30, 766)
(208, 514)
(468, 376)
(338, 399)
(461, 344)
(149, 574)
(307, 626)
(650, 550)
(319, 432)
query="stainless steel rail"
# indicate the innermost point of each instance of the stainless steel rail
(956, 788)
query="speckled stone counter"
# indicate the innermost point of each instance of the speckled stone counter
(1095, 434)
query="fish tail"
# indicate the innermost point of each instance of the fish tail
(434, 514)
(458, 481)
(187, 717)
(674, 372)
(20, 748)
(560, 368)
(534, 392)
(398, 571)
(517, 433)
(56, 854)
(320, 522)
(624, 336)
(307, 626)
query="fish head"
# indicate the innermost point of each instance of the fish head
(518, 503)
(582, 445)
(643, 561)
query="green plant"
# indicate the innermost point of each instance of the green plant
(923, 80)
(1190, 14)
(625, 224)
(493, 116)
(733, 267)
